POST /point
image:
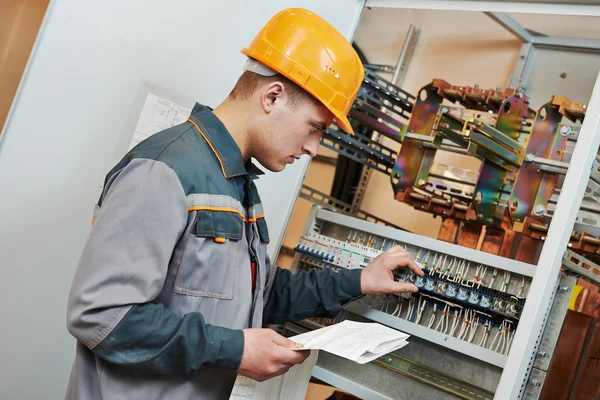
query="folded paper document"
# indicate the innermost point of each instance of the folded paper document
(356, 341)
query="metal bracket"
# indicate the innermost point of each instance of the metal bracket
(582, 266)
(592, 190)
(389, 91)
(360, 149)
(405, 55)
(431, 377)
(381, 68)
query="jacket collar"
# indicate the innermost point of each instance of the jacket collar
(220, 141)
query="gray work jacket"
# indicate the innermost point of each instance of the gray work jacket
(165, 283)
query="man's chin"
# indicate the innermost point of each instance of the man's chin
(275, 167)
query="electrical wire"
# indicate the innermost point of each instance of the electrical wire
(474, 326)
(432, 318)
(510, 340)
(505, 281)
(411, 305)
(398, 308)
(457, 317)
(441, 320)
(521, 288)
(493, 278)
(434, 262)
(465, 325)
(420, 309)
(495, 338)
(486, 333)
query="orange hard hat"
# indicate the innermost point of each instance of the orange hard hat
(306, 49)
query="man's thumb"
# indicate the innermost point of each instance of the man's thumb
(285, 342)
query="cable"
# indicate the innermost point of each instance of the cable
(466, 325)
(425, 260)
(432, 319)
(465, 272)
(474, 326)
(435, 261)
(505, 281)
(384, 305)
(447, 320)
(418, 257)
(420, 309)
(398, 308)
(441, 320)
(493, 278)
(457, 317)
(501, 332)
(522, 288)
(443, 264)
(411, 305)
(486, 333)
(450, 270)
(482, 277)
(476, 275)
(510, 340)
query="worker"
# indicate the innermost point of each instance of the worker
(174, 283)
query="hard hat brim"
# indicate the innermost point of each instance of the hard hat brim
(343, 122)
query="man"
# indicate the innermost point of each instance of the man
(174, 283)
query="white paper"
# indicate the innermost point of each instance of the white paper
(290, 386)
(356, 341)
(157, 114)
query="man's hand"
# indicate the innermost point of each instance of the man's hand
(378, 277)
(268, 354)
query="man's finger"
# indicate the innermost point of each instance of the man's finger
(405, 260)
(394, 249)
(291, 357)
(403, 287)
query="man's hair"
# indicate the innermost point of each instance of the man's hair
(249, 82)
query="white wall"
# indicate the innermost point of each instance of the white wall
(66, 130)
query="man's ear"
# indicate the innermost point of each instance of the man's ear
(274, 95)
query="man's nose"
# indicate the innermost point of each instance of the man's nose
(311, 147)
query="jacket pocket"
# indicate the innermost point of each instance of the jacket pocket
(209, 262)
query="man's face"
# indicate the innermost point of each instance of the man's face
(290, 132)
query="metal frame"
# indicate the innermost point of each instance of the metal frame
(517, 370)
(511, 25)
(532, 42)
